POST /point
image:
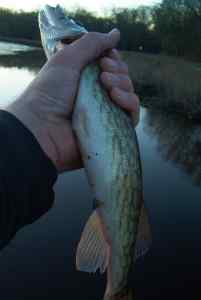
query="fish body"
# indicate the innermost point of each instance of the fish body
(110, 152)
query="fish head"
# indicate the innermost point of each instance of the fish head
(56, 28)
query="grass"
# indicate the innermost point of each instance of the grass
(162, 82)
(166, 82)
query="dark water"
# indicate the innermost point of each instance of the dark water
(40, 262)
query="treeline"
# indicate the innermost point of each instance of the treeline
(135, 32)
(177, 24)
(172, 27)
(19, 24)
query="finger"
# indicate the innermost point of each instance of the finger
(72, 165)
(92, 45)
(128, 101)
(113, 66)
(75, 161)
(114, 54)
(136, 116)
(111, 80)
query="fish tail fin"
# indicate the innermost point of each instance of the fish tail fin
(93, 251)
(125, 294)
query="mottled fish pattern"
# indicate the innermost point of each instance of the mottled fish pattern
(118, 230)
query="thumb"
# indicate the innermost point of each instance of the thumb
(92, 45)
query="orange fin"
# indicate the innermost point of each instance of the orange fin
(144, 237)
(122, 295)
(93, 251)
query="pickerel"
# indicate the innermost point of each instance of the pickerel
(108, 144)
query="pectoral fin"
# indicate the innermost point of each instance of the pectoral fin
(93, 251)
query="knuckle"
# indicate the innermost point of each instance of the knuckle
(132, 98)
(126, 82)
(128, 79)
(130, 83)
(124, 67)
(135, 101)
(94, 38)
(103, 76)
(93, 35)
(103, 63)
(115, 54)
(110, 64)
(106, 62)
(115, 92)
(135, 117)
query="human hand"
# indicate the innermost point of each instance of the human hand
(46, 106)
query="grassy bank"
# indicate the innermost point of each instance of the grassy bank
(162, 82)
(166, 83)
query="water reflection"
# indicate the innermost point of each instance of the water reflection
(17, 71)
(179, 141)
(33, 60)
(13, 82)
(40, 263)
(11, 48)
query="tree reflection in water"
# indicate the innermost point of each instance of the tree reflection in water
(32, 60)
(179, 141)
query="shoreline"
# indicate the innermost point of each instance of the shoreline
(166, 83)
(161, 82)
(26, 42)
(155, 103)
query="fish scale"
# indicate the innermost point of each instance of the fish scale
(122, 198)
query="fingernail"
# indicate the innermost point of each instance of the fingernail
(114, 30)
(115, 51)
(113, 64)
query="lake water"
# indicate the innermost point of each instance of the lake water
(40, 262)
(12, 48)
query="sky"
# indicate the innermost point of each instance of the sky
(92, 5)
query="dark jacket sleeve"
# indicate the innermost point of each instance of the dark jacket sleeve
(27, 177)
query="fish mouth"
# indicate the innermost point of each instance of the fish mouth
(69, 40)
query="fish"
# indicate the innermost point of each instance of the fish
(118, 230)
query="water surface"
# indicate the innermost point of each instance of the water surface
(40, 262)
(12, 48)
